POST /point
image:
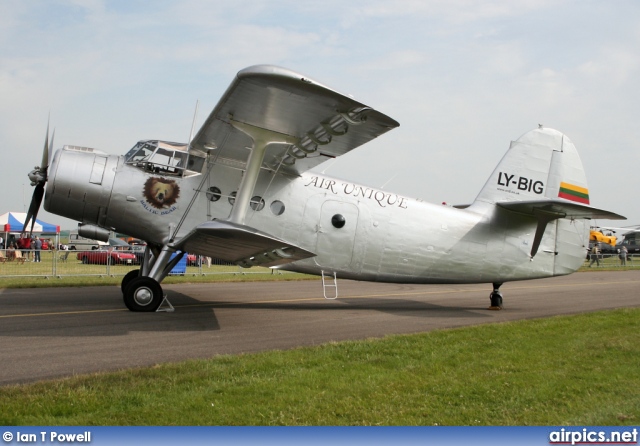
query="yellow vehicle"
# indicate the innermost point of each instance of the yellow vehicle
(597, 236)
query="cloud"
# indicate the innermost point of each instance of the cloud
(614, 65)
(462, 77)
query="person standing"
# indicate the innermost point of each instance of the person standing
(24, 245)
(37, 246)
(595, 254)
(623, 256)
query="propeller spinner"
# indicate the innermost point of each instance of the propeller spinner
(38, 177)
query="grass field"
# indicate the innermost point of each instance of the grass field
(256, 274)
(575, 370)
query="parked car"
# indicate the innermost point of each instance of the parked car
(138, 252)
(100, 256)
(193, 260)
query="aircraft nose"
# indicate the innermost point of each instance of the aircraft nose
(80, 184)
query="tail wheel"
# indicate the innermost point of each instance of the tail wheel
(496, 299)
(143, 294)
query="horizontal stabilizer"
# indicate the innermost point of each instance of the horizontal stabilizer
(240, 244)
(559, 208)
(551, 209)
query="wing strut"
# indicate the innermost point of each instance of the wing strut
(261, 139)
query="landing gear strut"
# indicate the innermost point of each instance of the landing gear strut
(496, 297)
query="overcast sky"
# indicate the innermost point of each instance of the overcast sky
(463, 78)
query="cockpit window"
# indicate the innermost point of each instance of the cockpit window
(139, 152)
(179, 159)
(195, 163)
(165, 158)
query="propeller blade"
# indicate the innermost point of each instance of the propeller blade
(46, 167)
(45, 153)
(39, 177)
(34, 206)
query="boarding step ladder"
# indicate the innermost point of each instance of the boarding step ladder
(327, 283)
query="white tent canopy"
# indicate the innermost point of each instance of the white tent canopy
(14, 222)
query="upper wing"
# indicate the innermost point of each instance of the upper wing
(325, 123)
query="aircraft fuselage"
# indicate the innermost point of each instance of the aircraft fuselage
(356, 231)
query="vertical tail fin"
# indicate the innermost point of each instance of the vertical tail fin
(542, 164)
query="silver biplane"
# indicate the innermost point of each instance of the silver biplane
(241, 190)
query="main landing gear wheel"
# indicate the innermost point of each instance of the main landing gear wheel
(496, 297)
(128, 277)
(143, 294)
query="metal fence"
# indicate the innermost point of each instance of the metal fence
(70, 263)
(612, 260)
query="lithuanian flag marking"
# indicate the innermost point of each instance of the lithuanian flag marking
(574, 193)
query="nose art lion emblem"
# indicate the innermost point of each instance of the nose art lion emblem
(161, 193)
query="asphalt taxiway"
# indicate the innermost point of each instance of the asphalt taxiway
(56, 332)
